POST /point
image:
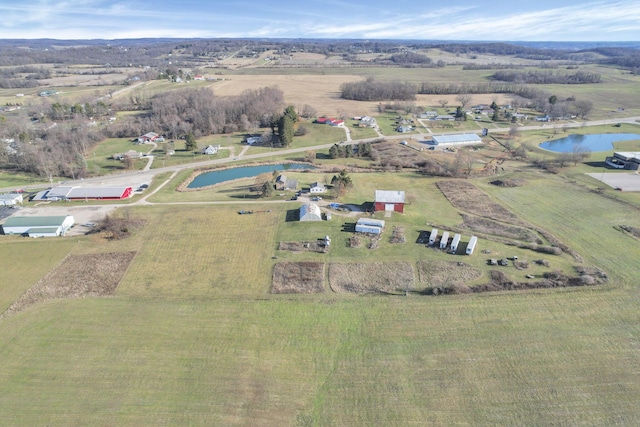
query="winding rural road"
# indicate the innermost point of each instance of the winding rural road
(145, 176)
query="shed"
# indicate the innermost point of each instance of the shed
(471, 245)
(310, 212)
(433, 236)
(389, 201)
(370, 225)
(454, 243)
(445, 240)
(38, 226)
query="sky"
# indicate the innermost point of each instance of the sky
(495, 20)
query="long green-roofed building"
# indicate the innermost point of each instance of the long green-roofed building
(38, 226)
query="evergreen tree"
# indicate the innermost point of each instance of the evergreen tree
(190, 142)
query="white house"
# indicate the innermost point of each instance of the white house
(38, 226)
(211, 149)
(317, 187)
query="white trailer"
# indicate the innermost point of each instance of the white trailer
(445, 240)
(455, 243)
(433, 236)
(471, 245)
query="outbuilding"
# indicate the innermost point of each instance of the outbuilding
(433, 236)
(471, 245)
(389, 201)
(317, 187)
(38, 226)
(11, 199)
(85, 193)
(461, 139)
(370, 225)
(445, 240)
(454, 243)
(310, 212)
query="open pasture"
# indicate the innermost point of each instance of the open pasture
(539, 357)
(202, 251)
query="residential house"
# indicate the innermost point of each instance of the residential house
(317, 187)
(210, 149)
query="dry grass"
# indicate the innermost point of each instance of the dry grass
(298, 278)
(467, 197)
(487, 226)
(78, 276)
(317, 246)
(441, 273)
(387, 277)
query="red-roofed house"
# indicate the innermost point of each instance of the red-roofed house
(148, 137)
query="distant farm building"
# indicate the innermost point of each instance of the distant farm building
(389, 201)
(444, 117)
(210, 149)
(317, 187)
(11, 199)
(282, 183)
(85, 193)
(454, 243)
(38, 226)
(471, 245)
(370, 226)
(253, 140)
(445, 240)
(367, 122)
(461, 139)
(624, 160)
(310, 212)
(150, 137)
(131, 154)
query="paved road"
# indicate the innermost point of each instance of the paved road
(138, 177)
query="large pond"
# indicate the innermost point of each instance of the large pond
(218, 176)
(594, 142)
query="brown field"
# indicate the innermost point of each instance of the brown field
(298, 278)
(385, 277)
(487, 226)
(78, 276)
(321, 92)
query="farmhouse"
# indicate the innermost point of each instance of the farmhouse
(367, 122)
(38, 226)
(445, 117)
(629, 160)
(131, 154)
(11, 199)
(461, 139)
(85, 193)
(149, 138)
(370, 225)
(253, 140)
(317, 187)
(310, 212)
(404, 129)
(389, 201)
(282, 183)
(211, 149)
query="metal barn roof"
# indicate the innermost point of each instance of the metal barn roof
(385, 196)
(34, 221)
(465, 138)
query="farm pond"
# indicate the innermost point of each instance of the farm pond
(215, 177)
(594, 142)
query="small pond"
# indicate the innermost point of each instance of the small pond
(218, 176)
(594, 142)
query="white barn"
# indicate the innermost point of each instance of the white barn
(461, 139)
(310, 212)
(38, 226)
(454, 243)
(445, 240)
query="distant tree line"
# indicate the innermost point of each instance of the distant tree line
(544, 77)
(373, 90)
